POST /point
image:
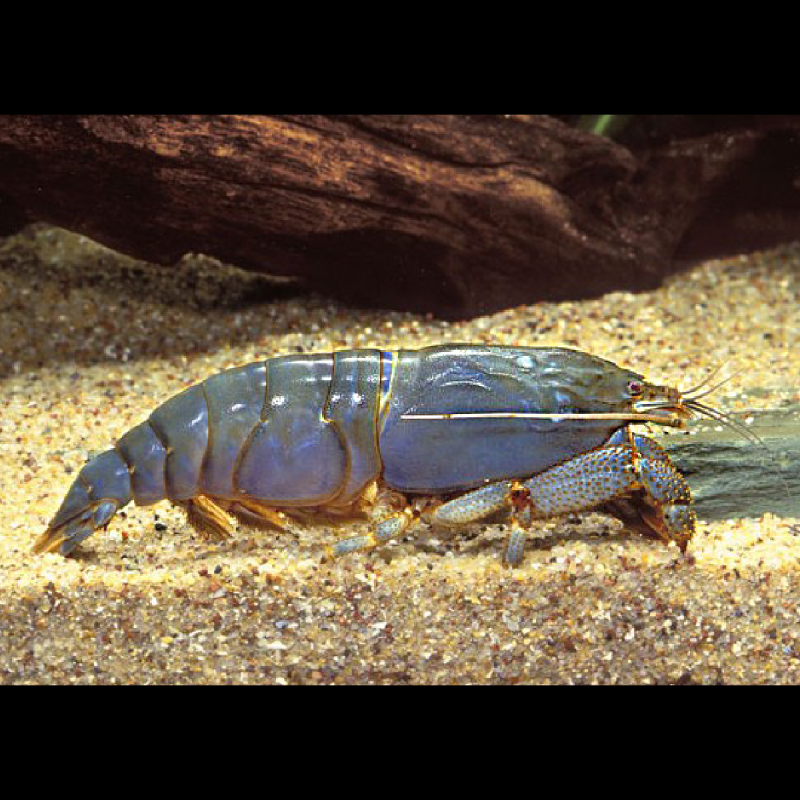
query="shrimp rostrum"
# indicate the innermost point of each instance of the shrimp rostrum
(538, 431)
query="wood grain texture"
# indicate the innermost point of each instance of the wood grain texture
(459, 215)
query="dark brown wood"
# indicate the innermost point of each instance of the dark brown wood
(458, 215)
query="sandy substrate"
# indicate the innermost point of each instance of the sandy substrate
(90, 342)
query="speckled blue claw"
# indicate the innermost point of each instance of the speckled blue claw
(632, 467)
(629, 466)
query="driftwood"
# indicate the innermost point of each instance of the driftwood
(458, 215)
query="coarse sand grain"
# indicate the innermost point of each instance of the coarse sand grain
(92, 341)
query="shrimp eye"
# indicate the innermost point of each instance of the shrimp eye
(635, 387)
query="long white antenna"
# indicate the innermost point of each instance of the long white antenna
(632, 417)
